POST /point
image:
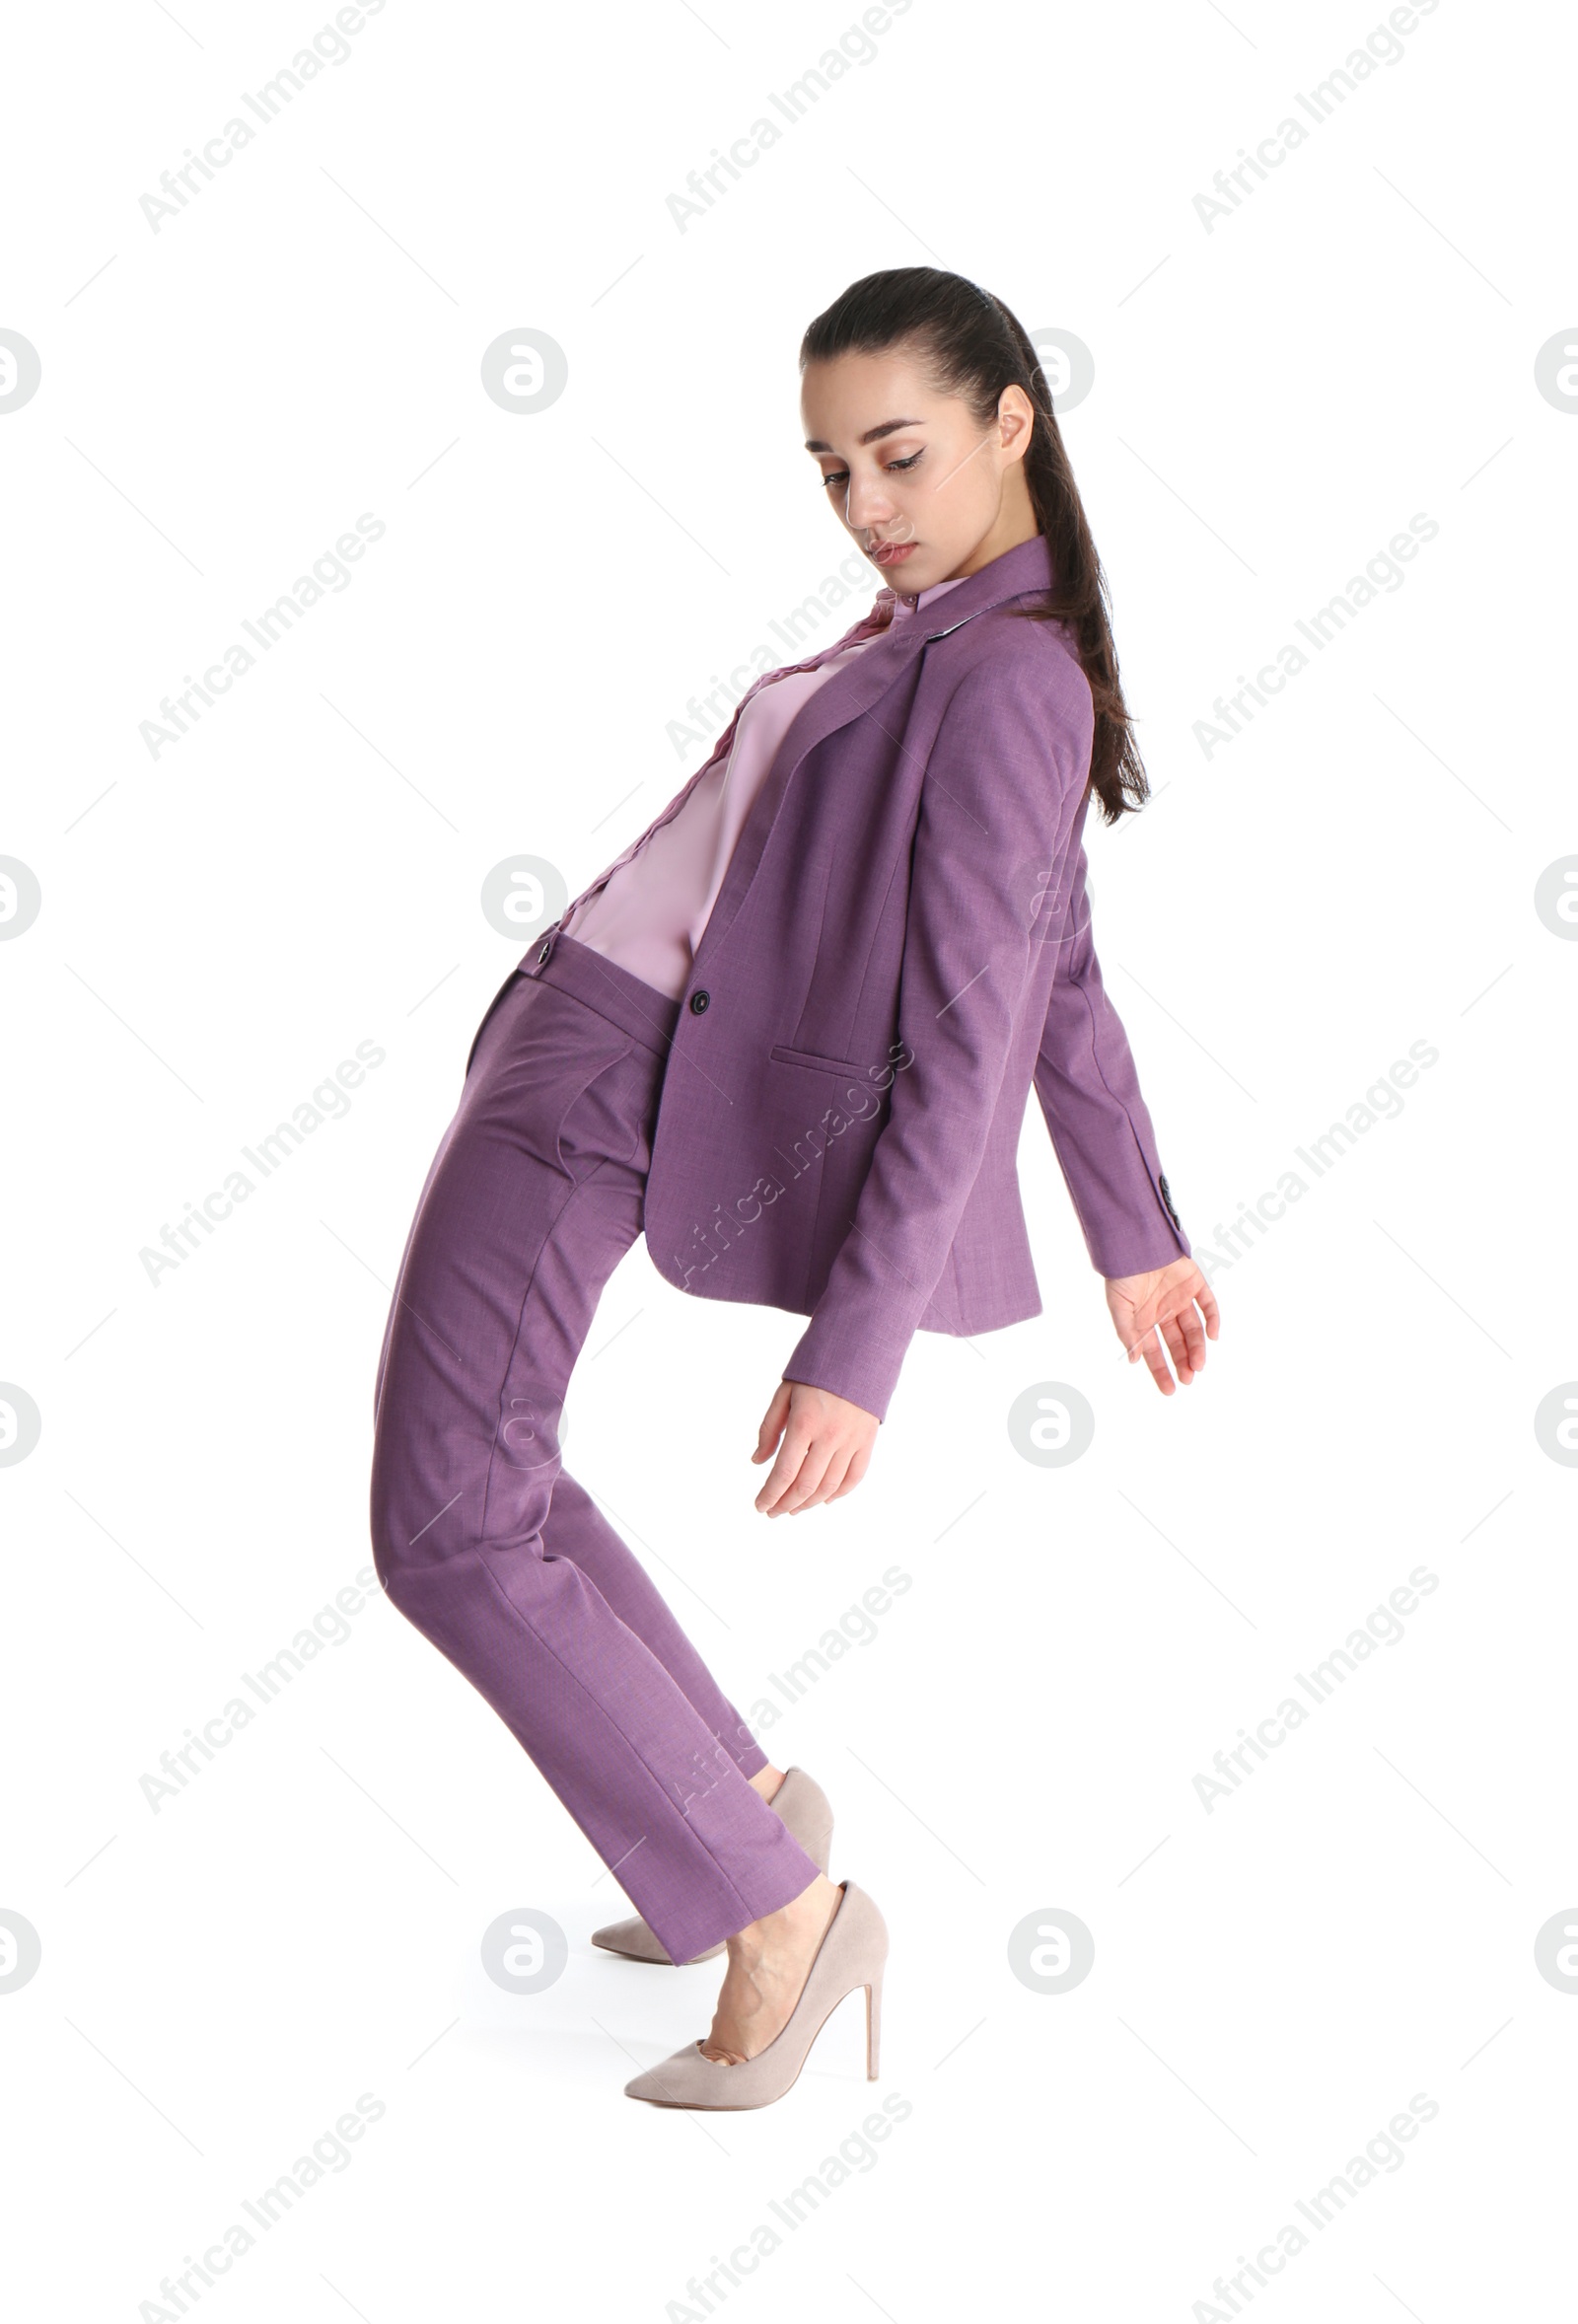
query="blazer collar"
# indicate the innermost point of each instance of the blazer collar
(855, 690)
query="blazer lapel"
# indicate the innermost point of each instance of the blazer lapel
(854, 692)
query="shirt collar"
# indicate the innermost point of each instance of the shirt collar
(1020, 571)
(906, 603)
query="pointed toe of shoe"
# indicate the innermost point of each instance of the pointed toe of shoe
(636, 1942)
(633, 1938)
(852, 1954)
(683, 2080)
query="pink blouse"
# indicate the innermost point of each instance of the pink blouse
(648, 909)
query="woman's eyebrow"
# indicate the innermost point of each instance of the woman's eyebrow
(889, 427)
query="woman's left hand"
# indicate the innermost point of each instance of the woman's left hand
(1148, 1309)
(827, 1446)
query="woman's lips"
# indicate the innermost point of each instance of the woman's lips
(894, 552)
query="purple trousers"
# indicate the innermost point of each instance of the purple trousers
(479, 1536)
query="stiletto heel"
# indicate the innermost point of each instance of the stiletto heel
(851, 1954)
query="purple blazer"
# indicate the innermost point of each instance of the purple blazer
(901, 948)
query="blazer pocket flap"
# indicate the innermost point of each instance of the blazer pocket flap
(820, 1065)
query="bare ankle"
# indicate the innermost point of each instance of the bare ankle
(813, 1906)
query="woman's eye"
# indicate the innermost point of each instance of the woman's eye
(842, 476)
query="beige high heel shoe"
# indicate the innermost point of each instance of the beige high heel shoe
(852, 1953)
(807, 1810)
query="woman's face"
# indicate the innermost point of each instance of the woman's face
(928, 493)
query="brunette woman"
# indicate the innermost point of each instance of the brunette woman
(790, 1035)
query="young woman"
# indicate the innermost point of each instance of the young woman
(790, 1035)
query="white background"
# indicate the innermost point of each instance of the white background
(1355, 872)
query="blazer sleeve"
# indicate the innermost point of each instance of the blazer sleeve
(998, 809)
(1101, 1128)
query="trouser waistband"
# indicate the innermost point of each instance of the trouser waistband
(625, 1000)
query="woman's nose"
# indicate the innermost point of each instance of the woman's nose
(869, 507)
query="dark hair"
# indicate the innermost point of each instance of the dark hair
(970, 344)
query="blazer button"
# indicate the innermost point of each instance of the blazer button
(700, 1001)
(545, 948)
(1167, 1197)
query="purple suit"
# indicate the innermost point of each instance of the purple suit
(825, 1119)
(900, 947)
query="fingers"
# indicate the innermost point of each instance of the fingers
(1184, 1340)
(859, 1463)
(1152, 1351)
(796, 1469)
(1186, 1297)
(1168, 1324)
(1178, 1348)
(811, 1470)
(828, 1485)
(796, 1474)
(1193, 1338)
